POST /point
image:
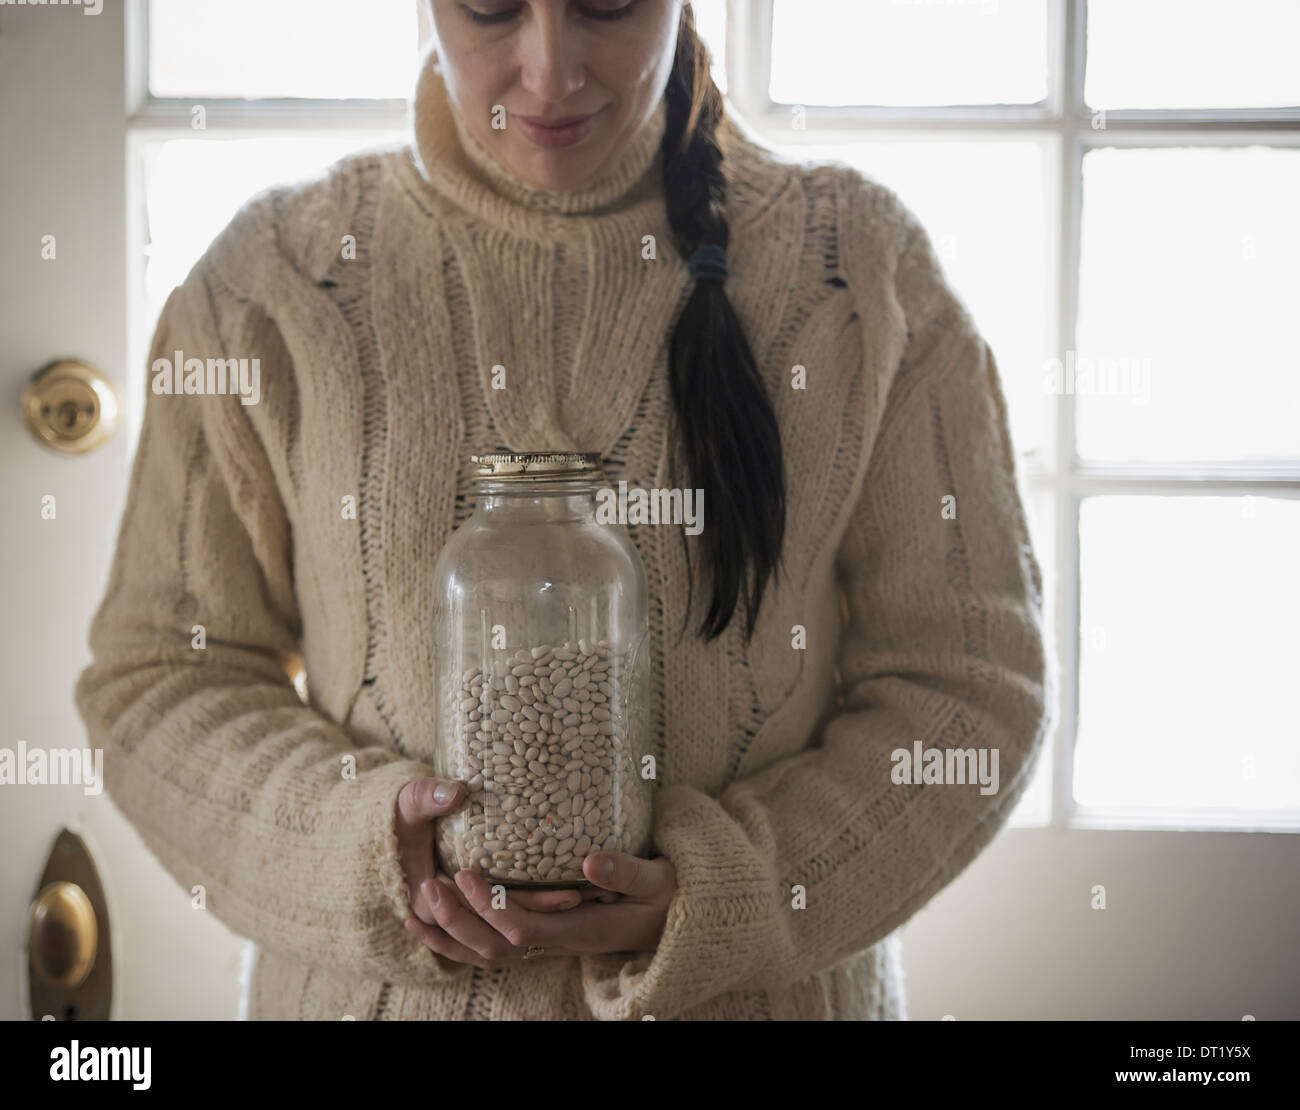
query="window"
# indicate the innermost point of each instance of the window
(1111, 188)
(260, 49)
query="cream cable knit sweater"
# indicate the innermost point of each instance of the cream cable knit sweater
(775, 771)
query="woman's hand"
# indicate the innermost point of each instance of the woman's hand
(419, 803)
(470, 929)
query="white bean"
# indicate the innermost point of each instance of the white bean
(549, 776)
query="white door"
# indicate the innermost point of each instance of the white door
(63, 288)
(109, 194)
(131, 131)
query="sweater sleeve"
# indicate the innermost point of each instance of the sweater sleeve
(943, 647)
(230, 780)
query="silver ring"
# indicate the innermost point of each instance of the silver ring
(533, 950)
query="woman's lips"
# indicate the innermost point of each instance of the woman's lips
(551, 137)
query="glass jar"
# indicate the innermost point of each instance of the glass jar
(542, 676)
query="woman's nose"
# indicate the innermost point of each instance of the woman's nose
(550, 59)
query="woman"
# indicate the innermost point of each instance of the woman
(578, 251)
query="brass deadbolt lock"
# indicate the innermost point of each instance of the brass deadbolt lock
(71, 407)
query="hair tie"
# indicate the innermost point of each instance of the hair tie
(708, 263)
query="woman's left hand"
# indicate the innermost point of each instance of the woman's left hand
(633, 922)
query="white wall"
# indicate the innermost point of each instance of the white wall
(1198, 926)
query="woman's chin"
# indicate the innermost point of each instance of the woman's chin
(558, 171)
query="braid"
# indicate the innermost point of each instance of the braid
(726, 425)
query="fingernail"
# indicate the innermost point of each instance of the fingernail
(431, 890)
(444, 792)
(462, 880)
(605, 867)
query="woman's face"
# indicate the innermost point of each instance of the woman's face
(599, 66)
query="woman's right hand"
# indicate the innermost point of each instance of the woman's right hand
(419, 804)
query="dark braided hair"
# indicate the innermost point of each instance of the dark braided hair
(726, 425)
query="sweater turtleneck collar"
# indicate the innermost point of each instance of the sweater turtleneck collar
(451, 160)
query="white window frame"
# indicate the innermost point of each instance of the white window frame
(1063, 122)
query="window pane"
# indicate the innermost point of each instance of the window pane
(1188, 653)
(894, 52)
(1188, 292)
(711, 25)
(1193, 54)
(992, 236)
(194, 186)
(283, 48)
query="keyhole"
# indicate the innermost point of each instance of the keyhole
(68, 415)
(70, 1014)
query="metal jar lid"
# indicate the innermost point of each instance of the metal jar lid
(536, 465)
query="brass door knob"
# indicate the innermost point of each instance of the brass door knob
(71, 407)
(63, 935)
(69, 938)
